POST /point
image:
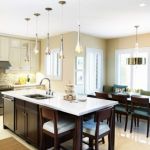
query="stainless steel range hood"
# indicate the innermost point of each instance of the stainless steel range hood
(5, 64)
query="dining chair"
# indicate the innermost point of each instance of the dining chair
(51, 124)
(102, 95)
(140, 110)
(122, 108)
(97, 129)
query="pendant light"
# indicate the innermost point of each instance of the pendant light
(61, 53)
(27, 57)
(48, 50)
(78, 48)
(136, 60)
(36, 50)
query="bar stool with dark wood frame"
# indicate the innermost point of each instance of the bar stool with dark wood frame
(140, 110)
(122, 108)
(55, 127)
(97, 129)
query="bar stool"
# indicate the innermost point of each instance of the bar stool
(96, 129)
(54, 126)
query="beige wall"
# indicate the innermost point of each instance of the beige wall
(70, 40)
(121, 43)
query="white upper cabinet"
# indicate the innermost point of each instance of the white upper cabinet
(34, 57)
(14, 54)
(25, 55)
(4, 49)
(22, 56)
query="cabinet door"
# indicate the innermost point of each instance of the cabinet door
(14, 54)
(19, 118)
(34, 57)
(31, 123)
(4, 49)
(25, 55)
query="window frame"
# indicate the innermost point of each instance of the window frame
(60, 65)
(132, 51)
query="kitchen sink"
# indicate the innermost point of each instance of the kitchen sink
(38, 96)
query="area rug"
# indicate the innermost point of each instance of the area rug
(11, 144)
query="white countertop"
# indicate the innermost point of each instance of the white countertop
(77, 108)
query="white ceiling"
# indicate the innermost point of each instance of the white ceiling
(102, 18)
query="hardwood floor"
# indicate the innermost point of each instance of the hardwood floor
(124, 140)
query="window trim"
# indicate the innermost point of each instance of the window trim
(132, 51)
(53, 77)
(102, 67)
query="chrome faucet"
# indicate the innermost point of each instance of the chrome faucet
(49, 92)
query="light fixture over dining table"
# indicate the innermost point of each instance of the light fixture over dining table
(137, 59)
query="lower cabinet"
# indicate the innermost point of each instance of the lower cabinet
(27, 121)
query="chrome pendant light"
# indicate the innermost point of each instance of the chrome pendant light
(61, 54)
(36, 50)
(27, 57)
(78, 48)
(137, 60)
(48, 50)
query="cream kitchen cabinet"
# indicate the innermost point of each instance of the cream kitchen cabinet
(22, 56)
(34, 57)
(14, 54)
(4, 49)
(25, 55)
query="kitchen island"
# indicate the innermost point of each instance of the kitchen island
(25, 104)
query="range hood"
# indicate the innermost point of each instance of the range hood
(5, 64)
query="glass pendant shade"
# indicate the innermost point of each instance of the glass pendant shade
(136, 60)
(48, 50)
(78, 48)
(27, 56)
(61, 53)
(36, 48)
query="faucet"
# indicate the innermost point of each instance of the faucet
(49, 92)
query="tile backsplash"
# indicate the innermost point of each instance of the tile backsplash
(15, 78)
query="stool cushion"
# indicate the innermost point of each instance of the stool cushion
(89, 127)
(63, 125)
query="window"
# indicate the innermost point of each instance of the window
(79, 74)
(94, 70)
(135, 76)
(54, 65)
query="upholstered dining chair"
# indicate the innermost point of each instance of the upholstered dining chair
(122, 108)
(140, 110)
(97, 129)
(102, 95)
(54, 126)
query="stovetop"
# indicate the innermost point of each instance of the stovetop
(6, 87)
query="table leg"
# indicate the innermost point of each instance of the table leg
(113, 131)
(77, 141)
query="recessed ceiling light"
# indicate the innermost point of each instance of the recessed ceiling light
(142, 4)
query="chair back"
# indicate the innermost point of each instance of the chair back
(104, 114)
(48, 114)
(139, 101)
(122, 99)
(102, 95)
